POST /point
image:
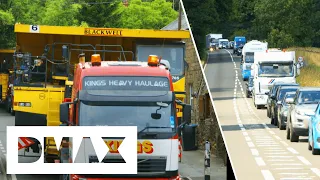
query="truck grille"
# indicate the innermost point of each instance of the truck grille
(144, 165)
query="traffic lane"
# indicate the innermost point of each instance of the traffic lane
(301, 147)
(307, 166)
(220, 75)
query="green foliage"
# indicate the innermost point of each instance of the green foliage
(283, 23)
(148, 15)
(61, 13)
(153, 14)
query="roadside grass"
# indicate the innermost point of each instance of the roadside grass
(309, 75)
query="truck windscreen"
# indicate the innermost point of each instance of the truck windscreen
(249, 58)
(136, 83)
(174, 54)
(127, 114)
(276, 70)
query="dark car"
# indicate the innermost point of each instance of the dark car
(249, 85)
(275, 100)
(239, 50)
(272, 92)
(283, 107)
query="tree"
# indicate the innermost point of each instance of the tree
(97, 13)
(61, 13)
(146, 15)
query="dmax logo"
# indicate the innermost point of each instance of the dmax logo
(127, 149)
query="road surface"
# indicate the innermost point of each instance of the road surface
(191, 167)
(257, 150)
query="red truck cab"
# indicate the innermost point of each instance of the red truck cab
(114, 93)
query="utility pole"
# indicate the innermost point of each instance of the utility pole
(180, 14)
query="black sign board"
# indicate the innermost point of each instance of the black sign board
(138, 83)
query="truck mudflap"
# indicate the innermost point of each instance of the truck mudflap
(77, 177)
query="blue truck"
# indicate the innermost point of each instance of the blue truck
(238, 41)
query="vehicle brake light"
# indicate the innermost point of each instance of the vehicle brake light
(95, 59)
(153, 60)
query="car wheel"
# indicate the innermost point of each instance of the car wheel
(293, 136)
(309, 146)
(288, 132)
(315, 151)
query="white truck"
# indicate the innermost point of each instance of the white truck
(213, 40)
(223, 43)
(268, 68)
(247, 57)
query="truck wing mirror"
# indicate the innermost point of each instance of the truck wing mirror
(64, 112)
(187, 113)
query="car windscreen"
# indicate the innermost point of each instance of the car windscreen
(283, 92)
(249, 57)
(276, 70)
(309, 97)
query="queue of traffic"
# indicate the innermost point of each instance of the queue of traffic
(271, 75)
(216, 41)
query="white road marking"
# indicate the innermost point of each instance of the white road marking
(286, 168)
(280, 156)
(277, 137)
(283, 160)
(297, 164)
(271, 132)
(3, 151)
(250, 144)
(248, 138)
(294, 178)
(241, 125)
(245, 133)
(268, 145)
(274, 153)
(1, 147)
(275, 150)
(284, 143)
(316, 171)
(260, 161)
(304, 160)
(294, 173)
(254, 152)
(292, 150)
(243, 129)
(267, 175)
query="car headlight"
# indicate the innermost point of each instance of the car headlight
(318, 126)
(285, 112)
(299, 112)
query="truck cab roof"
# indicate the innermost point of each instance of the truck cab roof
(127, 68)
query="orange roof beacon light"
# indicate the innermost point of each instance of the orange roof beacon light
(82, 58)
(95, 60)
(153, 60)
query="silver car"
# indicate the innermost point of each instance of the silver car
(283, 110)
(301, 107)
